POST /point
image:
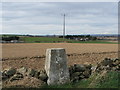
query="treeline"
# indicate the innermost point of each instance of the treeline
(79, 37)
(9, 38)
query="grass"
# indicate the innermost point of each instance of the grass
(43, 39)
(96, 41)
(109, 80)
(56, 40)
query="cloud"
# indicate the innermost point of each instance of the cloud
(34, 29)
(59, 0)
(46, 18)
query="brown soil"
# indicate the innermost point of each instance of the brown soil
(38, 63)
(38, 49)
(17, 55)
(26, 82)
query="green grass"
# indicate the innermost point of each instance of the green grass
(55, 40)
(109, 80)
(96, 41)
(43, 39)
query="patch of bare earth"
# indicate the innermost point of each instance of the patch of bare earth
(38, 63)
(26, 82)
(39, 49)
(32, 55)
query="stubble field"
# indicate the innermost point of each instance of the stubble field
(33, 54)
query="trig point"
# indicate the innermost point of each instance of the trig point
(56, 66)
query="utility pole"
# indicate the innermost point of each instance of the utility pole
(64, 26)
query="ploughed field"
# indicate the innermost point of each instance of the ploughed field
(33, 54)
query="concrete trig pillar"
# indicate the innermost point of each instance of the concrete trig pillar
(56, 66)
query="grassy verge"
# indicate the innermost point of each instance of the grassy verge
(108, 80)
(111, 80)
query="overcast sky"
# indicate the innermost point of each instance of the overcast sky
(47, 18)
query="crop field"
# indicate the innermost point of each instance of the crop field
(33, 54)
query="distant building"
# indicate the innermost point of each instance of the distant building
(12, 41)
